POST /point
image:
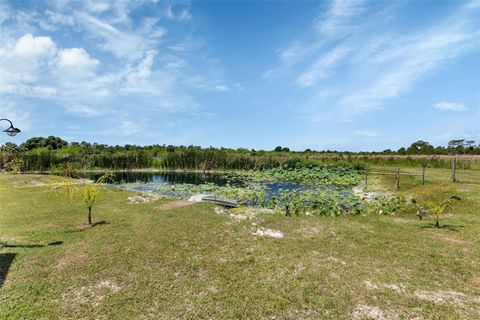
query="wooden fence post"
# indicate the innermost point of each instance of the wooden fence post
(366, 179)
(454, 170)
(423, 175)
(398, 178)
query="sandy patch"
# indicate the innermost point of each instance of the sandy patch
(219, 210)
(400, 288)
(440, 297)
(263, 232)
(72, 259)
(309, 232)
(144, 197)
(174, 204)
(402, 220)
(8, 240)
(451, 239)
(452, 297)
(372, 312)
(336, 260)
(93, 294)
(37, 183)
(368, 195)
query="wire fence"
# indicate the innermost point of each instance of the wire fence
(427, 175)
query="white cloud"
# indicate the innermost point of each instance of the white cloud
(321, 68)
(449, 106)
(75, 63)
(126, 128)
(406, 61)
(338, 18)
(120, 44)
(143, 69)
(122, 66)
(183, 15)
(367, 64)
(23, 62)
(98, 6)
(30, 47)
(220, 87)
(87, 110)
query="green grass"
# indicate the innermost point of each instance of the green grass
(189, 262)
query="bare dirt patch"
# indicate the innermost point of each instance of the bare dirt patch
(263, 232)
(400, 288)
(372, 312)
(452, 239)
(457, 299)
(174, 204)
(71, 259)
(451, 297)
(336, 260)
(92, 294)
(403, 220)
(309, 232)
(144, 197)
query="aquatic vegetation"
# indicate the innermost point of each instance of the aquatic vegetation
(314, 200)
(386, 204)
(338, 176)
(296, 188)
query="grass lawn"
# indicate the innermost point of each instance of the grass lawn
(147, 262)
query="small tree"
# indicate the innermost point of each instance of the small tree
(436, 209)
(90, 194)
(87, 193)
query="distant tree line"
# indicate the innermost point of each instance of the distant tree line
(45, 153)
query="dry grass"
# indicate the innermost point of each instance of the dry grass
(190, 262)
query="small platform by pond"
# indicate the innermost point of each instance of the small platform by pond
(214, 199)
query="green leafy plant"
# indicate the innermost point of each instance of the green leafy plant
(86, 193)
(15, 165)
(436, 209)
(89, 195)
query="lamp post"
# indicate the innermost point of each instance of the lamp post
(11, 131)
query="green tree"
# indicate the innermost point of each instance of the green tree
(436, 209)
(87, 193)
(420, 147)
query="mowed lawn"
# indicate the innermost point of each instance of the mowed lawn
(145, 262)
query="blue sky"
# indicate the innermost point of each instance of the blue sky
(345, 75)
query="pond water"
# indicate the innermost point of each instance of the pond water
(158, 180)
(169, 177)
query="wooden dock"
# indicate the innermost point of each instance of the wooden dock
(220, 201)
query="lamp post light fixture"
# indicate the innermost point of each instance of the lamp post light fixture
(11, 131)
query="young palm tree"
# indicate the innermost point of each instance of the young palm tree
(436, 209)
(87, 193)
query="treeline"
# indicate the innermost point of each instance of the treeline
(42, 154)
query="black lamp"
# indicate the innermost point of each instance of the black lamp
(11, 131)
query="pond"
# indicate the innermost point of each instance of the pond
(322, 191)
(182, 184)
(169, 177)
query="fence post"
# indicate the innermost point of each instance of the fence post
(454, 170)
(423, 175)
(398, 178)
(366, 179)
